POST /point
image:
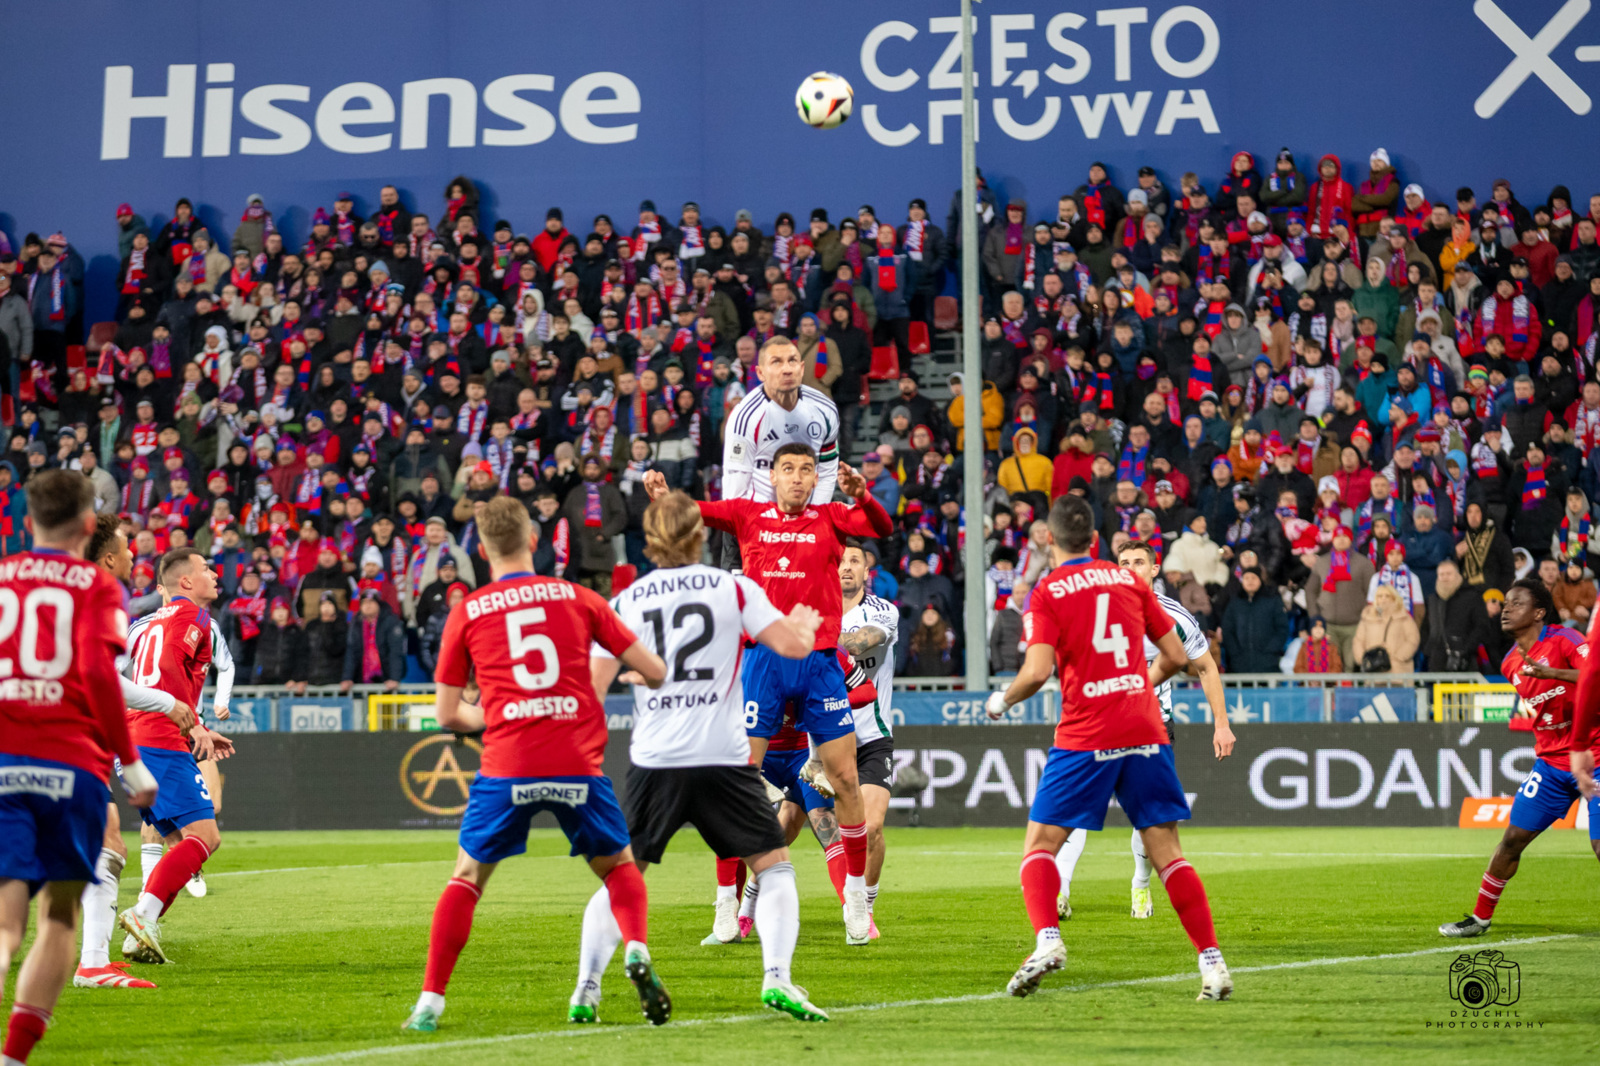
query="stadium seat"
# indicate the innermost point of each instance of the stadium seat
(885, 363)
(623, 575)
(946, 313)
(100, 335)
(919, 339)
(76, 358)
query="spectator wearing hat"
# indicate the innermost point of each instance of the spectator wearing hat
(1337, 589)
(129, 223)
(326, 638)
(375, 651)
(595, 512)
(925, 246)
(1536, 493)
(1284, 187)
(1484, 551)
(1318, 653)
(1376, 196)
(1255, 627)
(1242, 178)
(281, 652)
(1004, 249)
(1395, 574)
(1329, 198)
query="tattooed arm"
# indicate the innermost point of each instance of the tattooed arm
(858, 641)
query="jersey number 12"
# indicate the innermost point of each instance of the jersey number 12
(680, 671)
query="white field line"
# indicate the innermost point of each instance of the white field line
(422, 1046)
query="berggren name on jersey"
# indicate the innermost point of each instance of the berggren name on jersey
(541, 707)
(517, 595)
(1111, 685)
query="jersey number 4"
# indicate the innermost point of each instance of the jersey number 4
(1109, 640)
(26, 611)
(522, 644)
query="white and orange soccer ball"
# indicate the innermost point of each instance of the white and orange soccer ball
(824, 100)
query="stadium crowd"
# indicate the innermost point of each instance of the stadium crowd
(1347, 414)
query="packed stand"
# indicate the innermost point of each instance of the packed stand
(1347, 416)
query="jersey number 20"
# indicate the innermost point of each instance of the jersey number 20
(1109, 640)
(27, 613)
(521, 644)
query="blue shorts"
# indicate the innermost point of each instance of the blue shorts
(815, 683)
(1545, 797)
(1076, 787)
(782, 768)
(499, 809)
(52, 820)
(183, 797)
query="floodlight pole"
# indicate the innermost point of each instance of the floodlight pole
(975, 636)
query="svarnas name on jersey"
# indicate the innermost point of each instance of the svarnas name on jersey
(1079, 580)
(73, 573)
(1113, 685)
(653, 585)
(517, 595)
(31, 690)
(541, 707)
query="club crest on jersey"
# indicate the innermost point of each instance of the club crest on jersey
(191, 637)
(567, 793)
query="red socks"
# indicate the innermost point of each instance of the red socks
(728, 872)
(834, 853)
(452, 924)
(181, 862)
(629, 902)
(855, 849)
(1041, 884)
(1188, 898)
(1488, 896)
(27, 1026)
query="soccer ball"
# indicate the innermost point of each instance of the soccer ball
(824, 100)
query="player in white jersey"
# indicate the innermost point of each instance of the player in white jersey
(869, 630)
(1139, 558)
(151, 846)
(782, 411)
(108, 549)
(689, 752)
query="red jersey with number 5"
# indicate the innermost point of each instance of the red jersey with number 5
(62, 626)
(527, 640)
(171, 652)
(1094, 615)
(1547, 703)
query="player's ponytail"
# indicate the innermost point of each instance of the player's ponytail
(674, 533)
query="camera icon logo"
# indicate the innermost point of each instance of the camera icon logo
(1486, 979)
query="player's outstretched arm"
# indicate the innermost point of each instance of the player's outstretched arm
(795, 636)
(1205, 668)
(1037, 665)
(454, 715)
(646, 663)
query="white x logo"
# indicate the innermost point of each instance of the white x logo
(1532, 57)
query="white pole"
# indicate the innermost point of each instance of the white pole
(975, 636)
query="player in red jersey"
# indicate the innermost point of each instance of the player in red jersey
(791, 547)
(1546, 663)
(62, 626)
(1084, 620)
(1585, 718)
(527, 639)
(173, 653)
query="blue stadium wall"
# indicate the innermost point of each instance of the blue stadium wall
(593, 106)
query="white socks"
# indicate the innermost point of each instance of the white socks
(777, 921)
(601, 935)
(855, 883)
(432, 1000)
(1141, 862)
(1209, 959)
(752, 892)
(149, 855)
(872, 897)
(100, 910)
(727, 891)
(1067, 858)
(1048, 938)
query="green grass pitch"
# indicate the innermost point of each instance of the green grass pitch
(310, 949)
